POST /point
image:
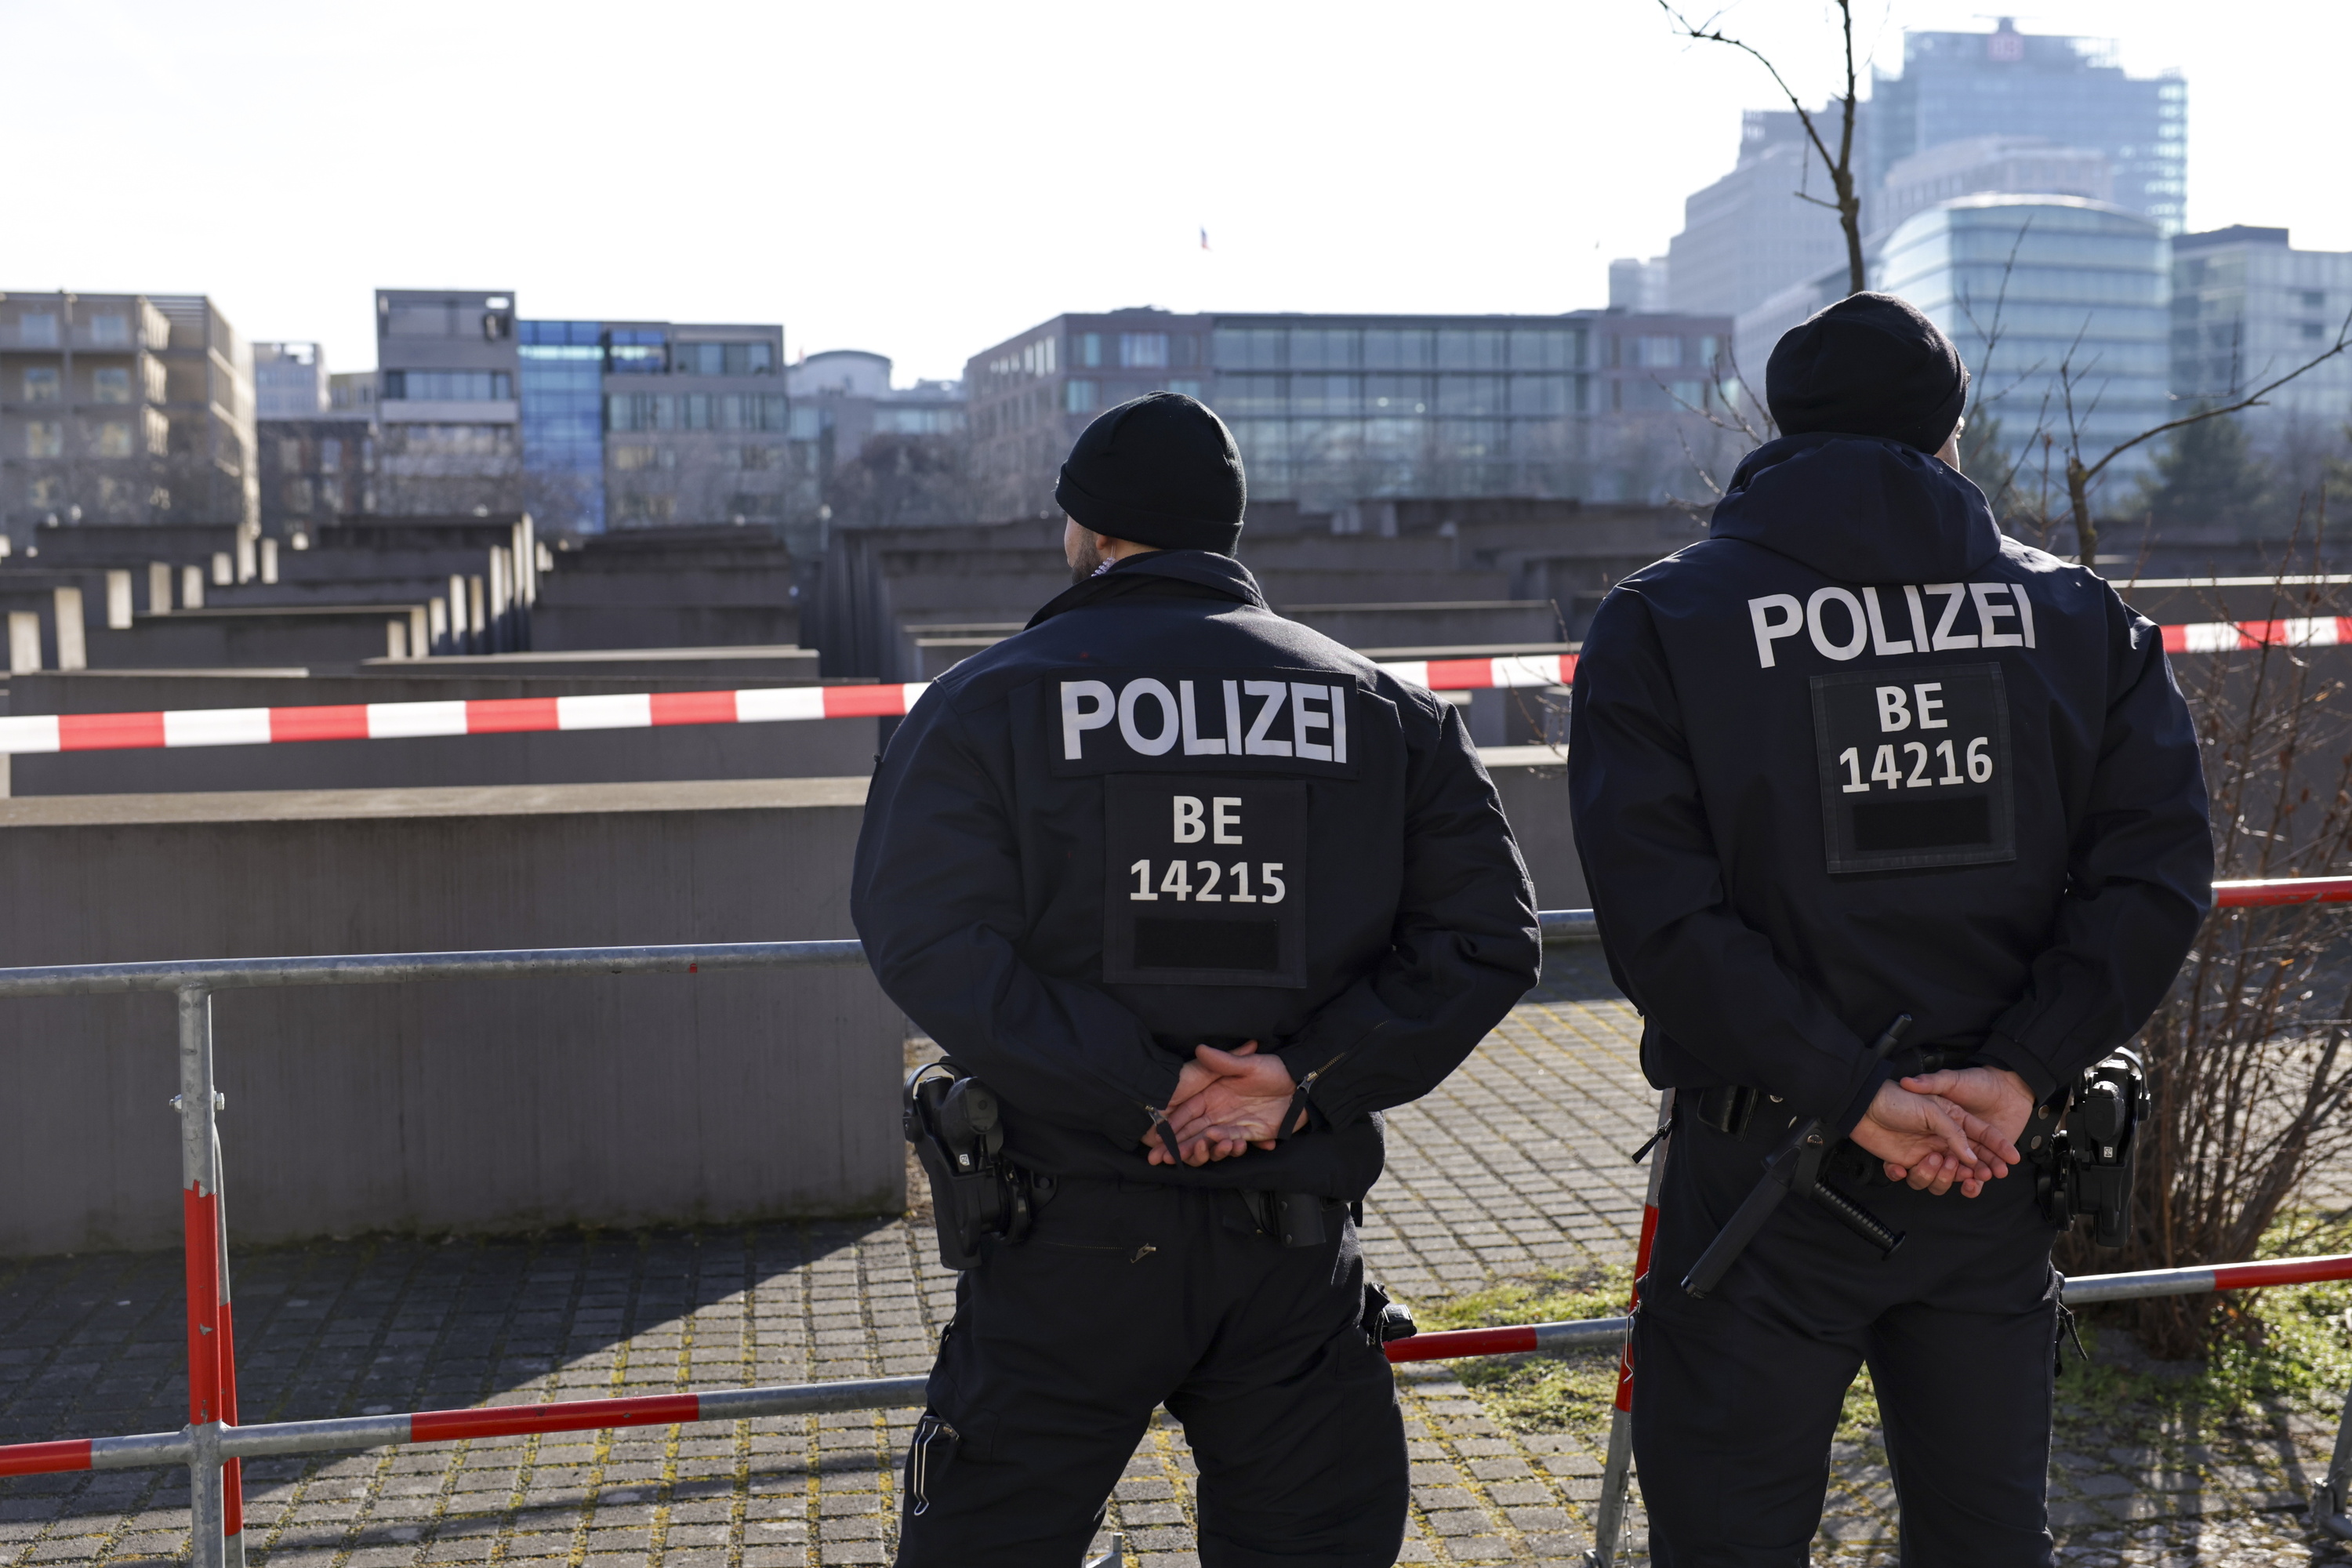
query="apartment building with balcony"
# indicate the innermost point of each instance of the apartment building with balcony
(123, 408)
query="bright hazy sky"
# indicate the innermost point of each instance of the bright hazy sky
(924, 179)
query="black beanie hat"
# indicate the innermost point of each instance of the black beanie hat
(1160, 469)
(1870, 364)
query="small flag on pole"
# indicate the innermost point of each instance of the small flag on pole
(1204, 239)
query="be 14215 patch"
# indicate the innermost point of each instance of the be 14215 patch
(1915, 768)
(1204, 881)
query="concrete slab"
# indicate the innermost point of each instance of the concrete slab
(467, 1105)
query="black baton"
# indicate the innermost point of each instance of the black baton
(1796, 1164)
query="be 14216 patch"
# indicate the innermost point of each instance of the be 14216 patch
(1915, 768)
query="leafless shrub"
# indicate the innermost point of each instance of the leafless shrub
(2248, 1058)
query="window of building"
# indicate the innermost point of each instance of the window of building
(694, 411)
(330, 455)
(1143, 351)
(640, 411)
(722, 359)
(448, 440)
(301, 495)
(1658, 354)
(37, 330)
(1473, 349)
(763, 457)
(289, 452)
(1186, 388)
(637, 507)
(635, 350)
(2313, 331)
(110, 384)
(632, 458)
(41, 383)
(1542, 348)
(46, 489)
(158, 432)
(448, 386)
(1079, 394)
(2315, 299)
(1248, 348)
(1538, 395)
(109, 330)
(111, 439)
(807, 424)
(1388, 348)
(1321, 348)
(1470, 394)
(1090, 350)
(44, 438)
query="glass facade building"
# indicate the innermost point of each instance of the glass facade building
(562, 394)
(1332, 410)
(2052, 300)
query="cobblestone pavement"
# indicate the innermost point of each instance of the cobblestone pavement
(1513, 1169)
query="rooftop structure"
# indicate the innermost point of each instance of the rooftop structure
(2069, 91)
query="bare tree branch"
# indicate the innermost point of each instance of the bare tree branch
(1838, 165)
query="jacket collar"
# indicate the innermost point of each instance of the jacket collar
(1142, 574)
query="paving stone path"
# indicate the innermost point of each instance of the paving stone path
(1513, 1168)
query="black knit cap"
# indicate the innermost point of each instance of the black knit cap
(1160, 469)
(1870, 364)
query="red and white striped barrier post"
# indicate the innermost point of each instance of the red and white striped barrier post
(1616, 1469)
(217, 1522)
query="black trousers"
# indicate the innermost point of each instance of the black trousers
(1736, 1396)
(1126, 1297)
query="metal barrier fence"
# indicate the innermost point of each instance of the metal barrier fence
(213, 1444)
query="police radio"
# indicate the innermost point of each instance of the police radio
(957, 1127)
(2085, 1167)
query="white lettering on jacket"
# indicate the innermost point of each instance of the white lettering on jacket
(1262, 718)
(1840, 625)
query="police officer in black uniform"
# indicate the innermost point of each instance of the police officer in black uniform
(1197, 893)
(1857, 755)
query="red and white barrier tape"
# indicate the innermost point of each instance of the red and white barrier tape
(39, 733)
(2227, 637)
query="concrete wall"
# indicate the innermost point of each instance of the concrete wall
(224, 640)
(1491, 623)
(821, 748)
(445, 1106)
(559, 627)
(1533, 782)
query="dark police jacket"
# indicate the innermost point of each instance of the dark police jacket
(1859, 754)
(1164, 815)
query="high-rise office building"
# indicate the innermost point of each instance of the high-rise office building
(2068, 91)
(123, 408)
(1638, 285)
(2059, 308)
(2247, 307)
(1329, 410)
(445, 375)
(1754, 232)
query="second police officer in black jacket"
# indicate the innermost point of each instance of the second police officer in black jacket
(1167, 865)
(1856, 755)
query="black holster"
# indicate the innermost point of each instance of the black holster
(957, 1130)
